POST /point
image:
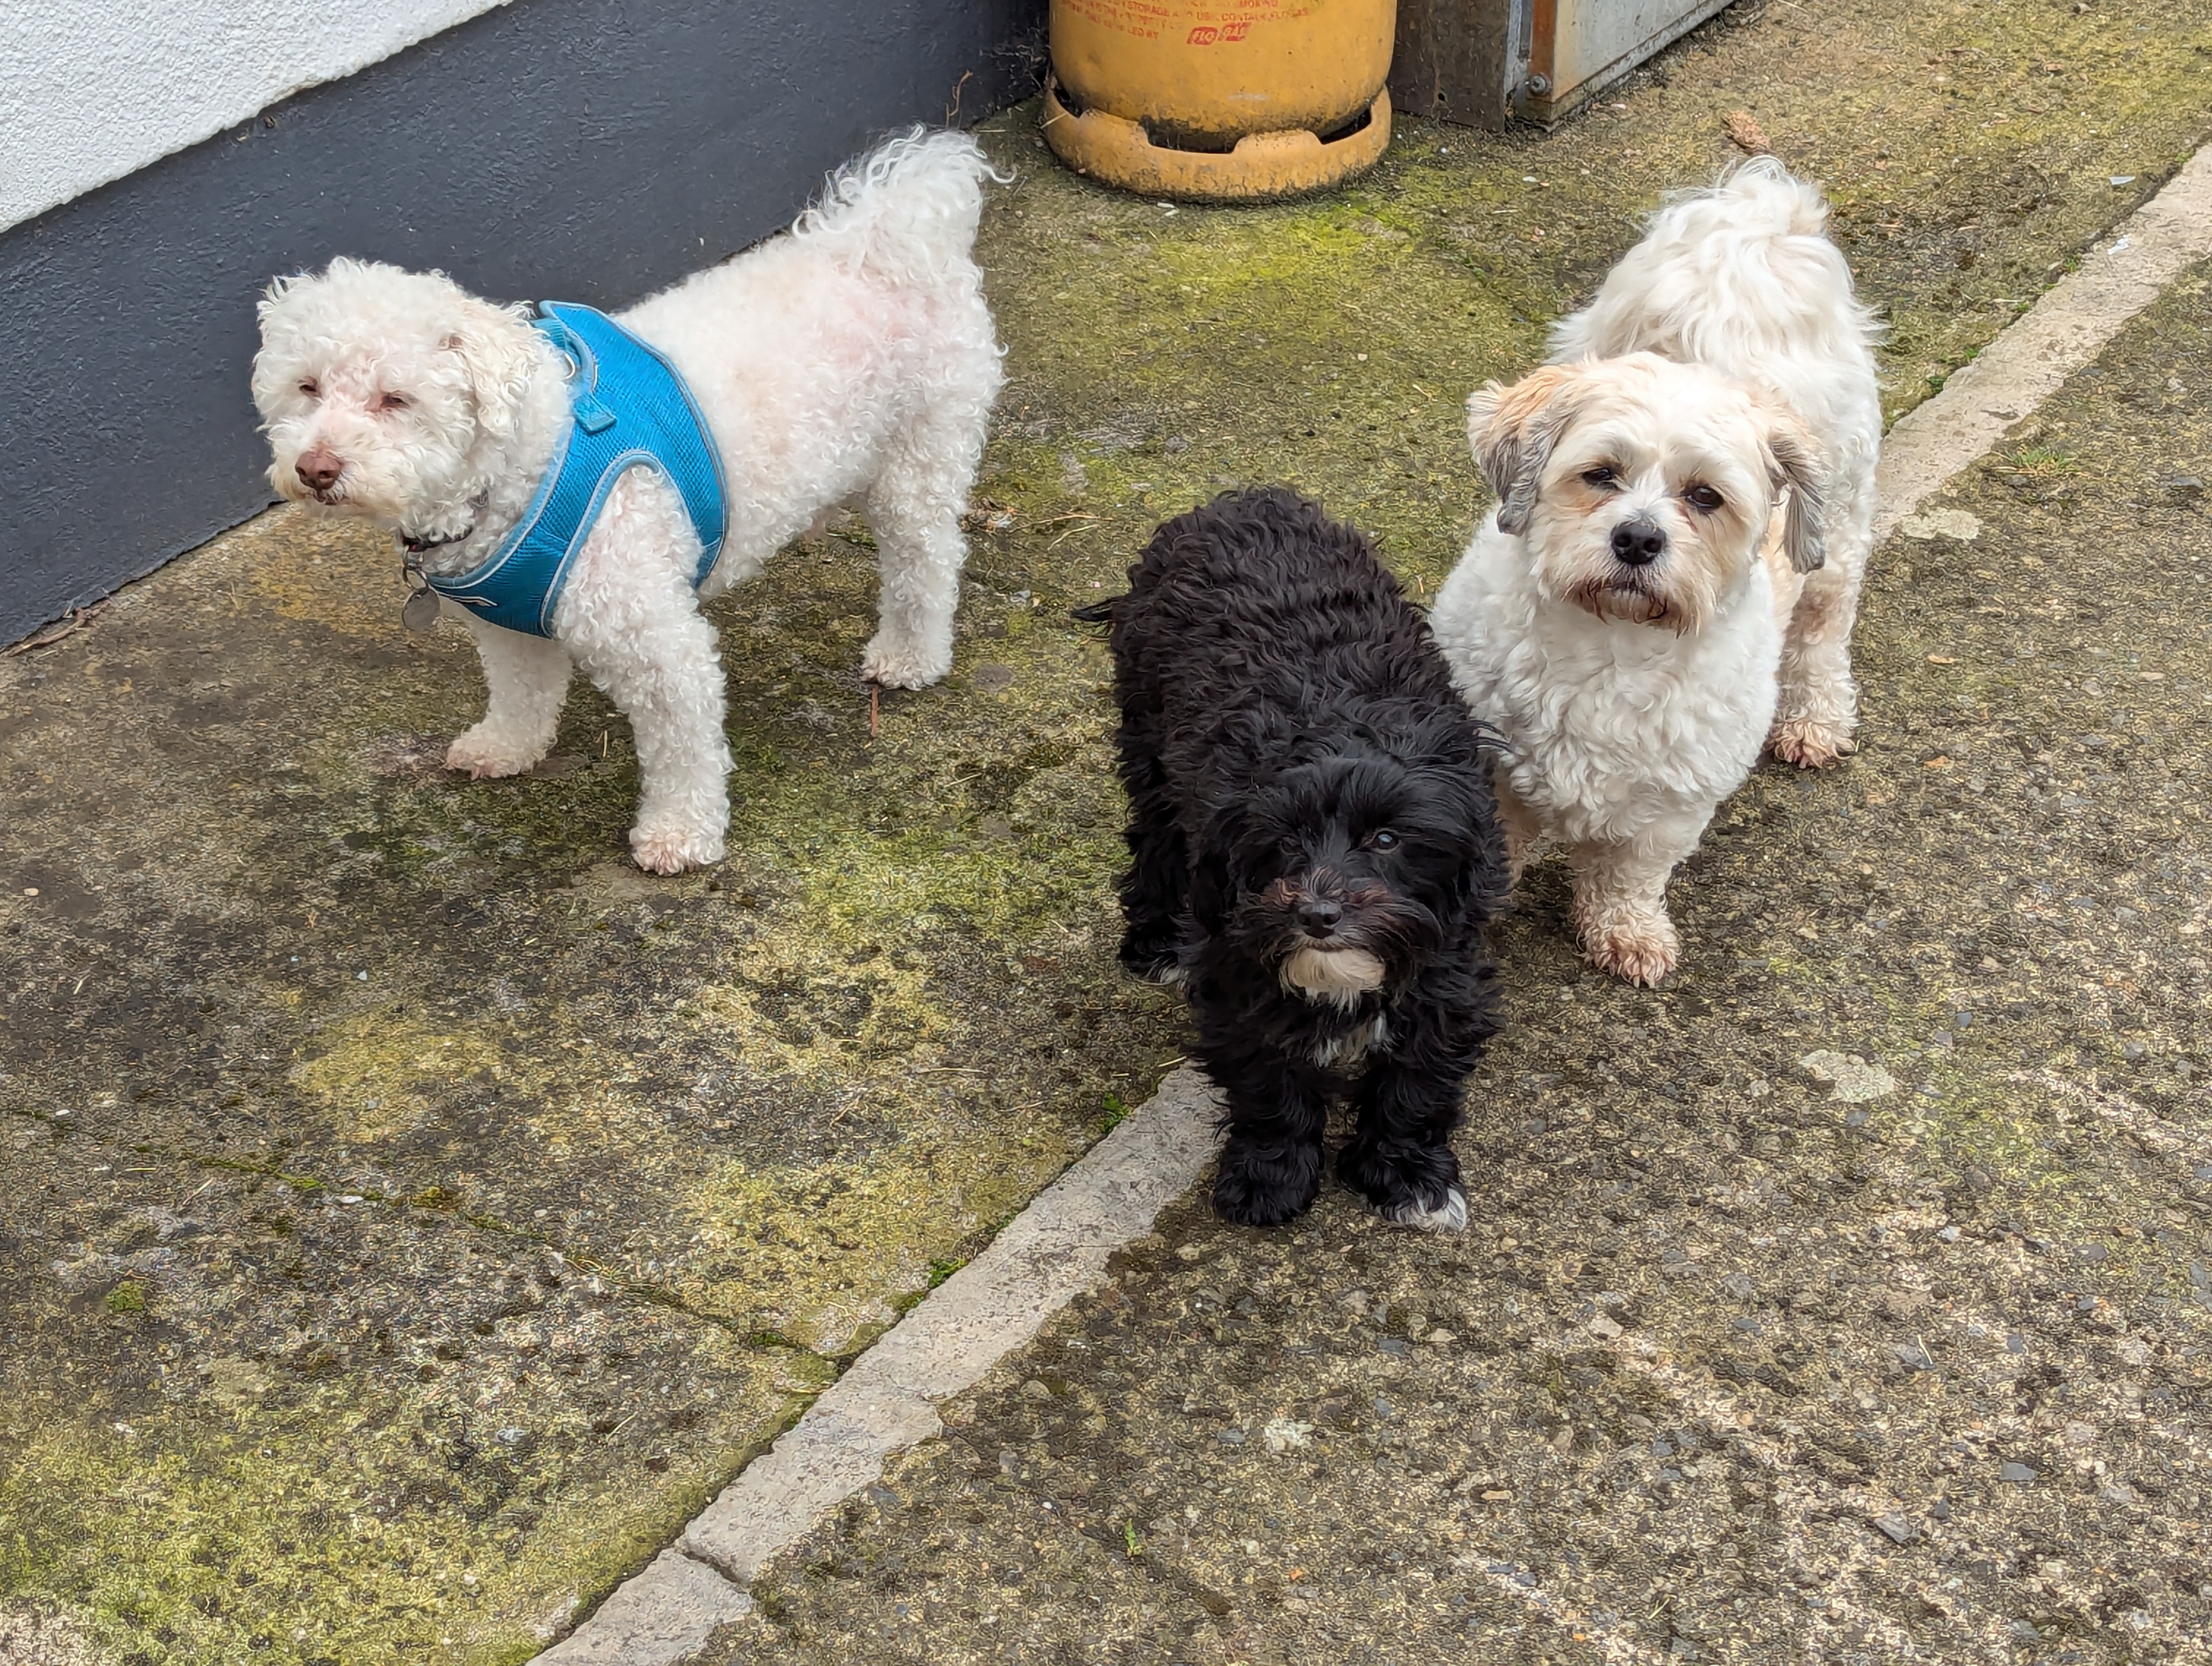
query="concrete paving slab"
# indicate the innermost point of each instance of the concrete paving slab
(769, 1115)
(290, 1412)
(1844, 1300)
(254, 948)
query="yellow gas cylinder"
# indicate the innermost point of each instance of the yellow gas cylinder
(1219, 100)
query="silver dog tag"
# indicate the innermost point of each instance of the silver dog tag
(421, 612)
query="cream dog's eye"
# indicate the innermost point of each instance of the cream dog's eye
(1704, 497)
(393, 402)
(1601, 476)
(312, 388)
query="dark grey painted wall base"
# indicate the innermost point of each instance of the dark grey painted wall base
(594, 149)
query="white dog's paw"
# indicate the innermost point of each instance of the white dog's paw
(488, 755)
(900, 662)
(1811, 743)
(1641, 951)
(672, 850)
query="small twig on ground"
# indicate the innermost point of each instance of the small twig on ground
(875, 709)
(78, 618)
(1750, 138)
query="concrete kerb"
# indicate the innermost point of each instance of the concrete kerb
(2039, 350)
(1057, 1247)
(664, 1613)
(1052, 1252)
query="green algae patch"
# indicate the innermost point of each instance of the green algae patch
(380, 1073)
(340, 1433)
(834, 1259)
(194, 1541)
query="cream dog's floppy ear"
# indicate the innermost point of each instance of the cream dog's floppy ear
(1798, 465)
(499, 350)
(1513, 430)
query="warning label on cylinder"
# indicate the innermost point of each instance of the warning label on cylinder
(1196, 25)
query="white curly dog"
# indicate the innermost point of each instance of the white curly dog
(854, 355)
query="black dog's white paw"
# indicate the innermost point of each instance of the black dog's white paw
(1152, 963)
(1417, 1187)
(1448, 1216)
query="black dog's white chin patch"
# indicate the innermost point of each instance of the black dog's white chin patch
(1337, 975)
(1449, 1216)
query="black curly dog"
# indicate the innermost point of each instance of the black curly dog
(1314, 850)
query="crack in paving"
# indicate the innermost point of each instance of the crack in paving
(422, 1207)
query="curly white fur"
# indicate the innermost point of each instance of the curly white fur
(855, 356)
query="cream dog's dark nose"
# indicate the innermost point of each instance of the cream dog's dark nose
(1638, 543)
(319, 470)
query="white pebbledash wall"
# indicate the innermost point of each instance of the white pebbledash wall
(91, 90)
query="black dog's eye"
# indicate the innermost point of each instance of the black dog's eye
(1383, 840)
(1602, 475)
(1704, 497)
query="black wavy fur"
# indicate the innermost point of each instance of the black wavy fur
(1282, 706)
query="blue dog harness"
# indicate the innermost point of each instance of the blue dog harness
(631, 409)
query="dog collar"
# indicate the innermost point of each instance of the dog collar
(418, 546)
(628, 409)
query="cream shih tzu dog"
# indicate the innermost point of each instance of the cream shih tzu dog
(1668, 582)
(855, 355)
(1743, 278)
(1619, 619)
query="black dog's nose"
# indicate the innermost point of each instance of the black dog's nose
(1318, 918)
(1638, 543)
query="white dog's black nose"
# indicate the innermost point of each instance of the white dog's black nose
(318, 471)
(1318, 918)
(1638, 543)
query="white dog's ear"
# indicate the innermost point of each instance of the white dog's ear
(498, 350)
(274, 295)
(1513, 430)
(1798, 466)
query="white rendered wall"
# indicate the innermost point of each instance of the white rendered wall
(91, 90)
